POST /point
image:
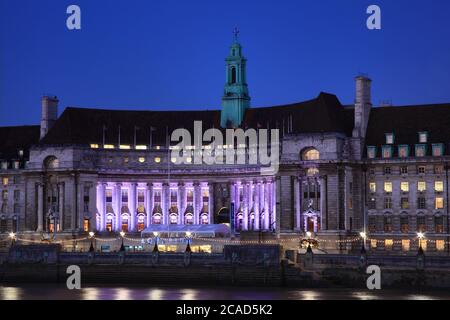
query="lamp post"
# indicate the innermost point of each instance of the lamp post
(91, 236)
(156, 235)
(363, 235)
(420, 235)
(122, 235)
(188, 238)
(12, 236)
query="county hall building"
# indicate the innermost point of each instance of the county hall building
(344, 169)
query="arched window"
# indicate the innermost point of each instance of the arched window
(140, 222)
(125, 219)
(204, 218)
(109, 222)
(173, 218)
(51, 162)
(233, 74)
(188, 218)
(156, 218)
(310, 154)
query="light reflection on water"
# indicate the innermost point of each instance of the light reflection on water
(36, 292)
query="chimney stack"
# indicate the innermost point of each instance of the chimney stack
(49, 113)
(363, 104)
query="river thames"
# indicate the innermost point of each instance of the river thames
(39, 292)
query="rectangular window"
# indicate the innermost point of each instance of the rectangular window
(404, 203)
(372, 224)
(16, 179)
(387, 152)
(5, 195)
(86, 225)
(4, 165)
(403, 151)
(373, 187)
(404, 224)
(421, 203)
(440, 245)
(439, 186)
(388, 187)
(404, 170)
(350, 203)
(387, 203)
(423, 242)
(439, 203)
(371, 152)
(404, 186)
(16, 195)
(387, 170)
(438, 169)
(421, 169)
(388, 243)
(421, 150)
(421, 186)
(373, 243)
(438, 150)
(125, 195)
(406, 245)
(439, 224)
(108, 195)
(389, 138)
(5, 181)
(423, 137)
(141, 196)
(421, 227)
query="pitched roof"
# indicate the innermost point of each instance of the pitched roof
(84, 126)
(406, 122)
(13, 139)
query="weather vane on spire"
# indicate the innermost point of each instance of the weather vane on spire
(236, 33)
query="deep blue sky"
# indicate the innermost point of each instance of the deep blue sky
(142, 54)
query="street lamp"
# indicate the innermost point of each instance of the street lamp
(363, 235)
(122, 235)
(91, 235)
(420, 235)
(156, 235)
(188, 237)
(12, 236)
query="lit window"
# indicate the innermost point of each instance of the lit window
(141, 147)
(157, 159)
(158, 147)
(403, 151)
(423, 243)
(373, 187)
(439, 203)
(173, 159)
(389, 138)
(16, 165)
(388, 243)
(387, 152)
(124, 147)
(108, 146)
(4, 165)
(311, 154)
(141, 159)
(189, 160)
(423, 137)
(440, 245)
(406, 245)
(373, 243)
(421, 150)
(388, 187)
(404, 186)
(312, 172)
(371, 152)
(421, 186)
(439, 186)
(86, 225)
(94, 146)
(404, 203)
(126, 160)
(5, 181)
(438, 150)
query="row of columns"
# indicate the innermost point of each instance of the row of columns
(257, 205)
(149, 202)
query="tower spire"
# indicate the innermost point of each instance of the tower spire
(236, 99)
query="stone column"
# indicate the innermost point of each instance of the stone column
(210, 202)
(180, 211)
(149, 202)
(197, 205)
(61, 205)
(297, 203)
(232, 195)
(73, 217)
(266, 206)
(276, 200)
(80, 204)
(132, 205)
(257, 191)
(323, 203)
(245, 204)
(166, 203)
(182, 201)
(40, 205)
(117, 205)
(101, 204)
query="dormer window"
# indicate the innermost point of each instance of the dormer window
(389, 138)
(371, 152)
(421, 150)
(438, 150)
(387, 152)
(403, 151)
(423, 137)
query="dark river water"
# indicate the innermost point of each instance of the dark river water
(39, 292)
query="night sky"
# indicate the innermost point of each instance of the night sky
(167, 54)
